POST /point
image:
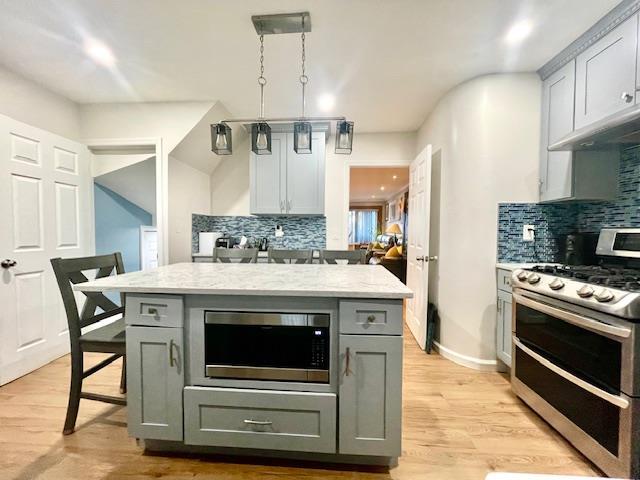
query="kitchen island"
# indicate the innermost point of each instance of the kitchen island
(295, 361)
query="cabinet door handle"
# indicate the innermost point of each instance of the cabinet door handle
(347, 357)
(627, 97)
(171, 360)
(499, 306)
(248, 421)
(288, 206)
(281, 206)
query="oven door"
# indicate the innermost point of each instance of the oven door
(571, 368)
(267, 346)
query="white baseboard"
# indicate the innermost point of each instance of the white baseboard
(467, 361)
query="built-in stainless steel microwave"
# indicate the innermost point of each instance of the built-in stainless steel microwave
(267, 346)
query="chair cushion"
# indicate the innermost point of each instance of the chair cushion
(111, 337)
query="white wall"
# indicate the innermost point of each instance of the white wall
(189, 192)
(488, 130)
(28, 102)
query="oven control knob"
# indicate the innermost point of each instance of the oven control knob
(522, 275)
(604, 295)
(585, 292)
(533, 278)
(556, 284)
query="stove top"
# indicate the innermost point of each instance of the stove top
(619, 277)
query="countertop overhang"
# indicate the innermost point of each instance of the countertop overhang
(256, 279)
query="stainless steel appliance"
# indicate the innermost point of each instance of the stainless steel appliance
(267, 346)
(576, 350)
(224, 242)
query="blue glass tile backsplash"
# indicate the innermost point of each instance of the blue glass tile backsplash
(552, 221)
(299, 232)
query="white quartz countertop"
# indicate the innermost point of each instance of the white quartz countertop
(266, 279)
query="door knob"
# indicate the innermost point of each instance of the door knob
(6, 263)
(419, 259)
(627, 97)
(433, 259)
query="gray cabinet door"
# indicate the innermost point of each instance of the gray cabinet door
(305, 178)
(155, 380)
(606, 75)
(556, 176)
(504, 327)
(370, 395)
(268, 178)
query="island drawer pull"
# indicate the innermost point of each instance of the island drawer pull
(347, 356)
(371, 318)
(257, 422)
(171, 360)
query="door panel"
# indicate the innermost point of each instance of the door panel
(557, 121)
(370, 412)
(155, 380)
(268, 177)
(605, 73)
(418, 244)
(47, 211)
(305, 178)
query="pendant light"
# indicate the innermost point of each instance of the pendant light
(281, 23)
(221, 139)
(261, 131)
(344, 137)
(302, 130)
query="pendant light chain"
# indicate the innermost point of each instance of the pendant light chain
(261, 80)
(303, 78)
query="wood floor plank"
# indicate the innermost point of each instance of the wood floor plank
(458, 424)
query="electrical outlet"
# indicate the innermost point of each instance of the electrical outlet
(528, 233)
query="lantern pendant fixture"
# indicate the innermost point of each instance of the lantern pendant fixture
(261, 131)
(302, 128)
(221, 139)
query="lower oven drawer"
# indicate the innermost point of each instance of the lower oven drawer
(273, 420)
(597, 413)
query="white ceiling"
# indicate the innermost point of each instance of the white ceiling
(387, 62)
(136, 183)
(365, 183)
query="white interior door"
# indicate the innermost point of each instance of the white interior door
(148, 248)
(46, 207)
(418, 244)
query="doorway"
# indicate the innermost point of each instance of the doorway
(378, 214)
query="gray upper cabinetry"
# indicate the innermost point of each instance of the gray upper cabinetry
(286, 182)
(606, 75)
(557, 121)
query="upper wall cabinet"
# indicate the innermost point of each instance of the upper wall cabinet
(606, 75)
(286, 182)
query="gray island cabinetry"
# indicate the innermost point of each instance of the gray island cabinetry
(295, 361)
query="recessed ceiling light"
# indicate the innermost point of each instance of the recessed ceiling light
(518, 32)
(373, 196)
(99, 52)
(326, 102)
(395, 177)
(382, 188)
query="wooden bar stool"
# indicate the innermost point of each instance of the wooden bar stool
(350, 257)
(290, 256)
(235, 255)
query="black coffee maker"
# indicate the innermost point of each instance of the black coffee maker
(579, 249)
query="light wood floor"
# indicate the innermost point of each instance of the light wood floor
(458, 424)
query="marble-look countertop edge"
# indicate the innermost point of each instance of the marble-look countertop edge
(246, 293)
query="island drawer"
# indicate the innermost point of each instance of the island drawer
(154, 310)
(371, 317)
(273, 420)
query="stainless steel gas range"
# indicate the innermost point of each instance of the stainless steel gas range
(576, 350)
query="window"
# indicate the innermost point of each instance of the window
(363, 225)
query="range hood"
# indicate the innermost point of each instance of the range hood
(621, 129)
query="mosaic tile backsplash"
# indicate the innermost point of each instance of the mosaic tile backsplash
(299, 232)
(552, 221)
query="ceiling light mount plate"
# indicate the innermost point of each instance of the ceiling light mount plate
(282, 23)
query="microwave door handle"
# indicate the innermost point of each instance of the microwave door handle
(613, 399)
(577, 320)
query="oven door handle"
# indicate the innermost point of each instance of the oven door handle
(613, 399)
(577, 320)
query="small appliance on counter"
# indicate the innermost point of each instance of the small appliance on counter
(579, 249)
(263, 245)
(207, 240)
(225, 242)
